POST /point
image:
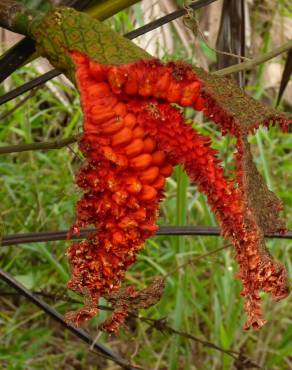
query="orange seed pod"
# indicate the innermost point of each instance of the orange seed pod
(159, 183)
(130, 120)
(122, 137)
(102, 117)
(133, 185)
(98, 90)
(166, 170)
(149, 145)
(112, 126)
(120, 109)
(96, 71)
(142, 161)
(145, 88)
(134, 148)
(131, 86)
(190, 93)
(199, 103)
(138, 133)
(174, 92)
(140, 214)
(149, 175)
(162, 85)
(158, 158)
(148, 193)
(116, 79)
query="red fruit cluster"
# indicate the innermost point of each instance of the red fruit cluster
(122, 179)
(133, 136)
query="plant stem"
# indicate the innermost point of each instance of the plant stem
(256, 61)
(15, 17)
(105, 9)
(37, 146)
(180, 247)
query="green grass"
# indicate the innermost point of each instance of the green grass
(38, 193)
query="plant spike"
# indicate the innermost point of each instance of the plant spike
(133, 136)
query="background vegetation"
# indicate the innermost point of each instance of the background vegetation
(38, 193)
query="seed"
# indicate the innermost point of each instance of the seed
(166, 170)
(122, 137)
(112, 126)
(130, 120)
(149, 175)
(98, 90)
(162, 85)
(159, 183)
(134, 148)
(142, 161)
(102, 117)
(174, 92)
(139, 215)
(118, 237)
(116, 79)
(148, 193)
(199, 103)
(149, 145)
(103, 103)
(133, 185)
(79, 58)
(145, 88)
(138, 133)
(127, 222)
(158, 158)
(96, 71)
(131, 86)
(190, 94)
(120, 109)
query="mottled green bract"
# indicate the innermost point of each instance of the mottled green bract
(65, 29)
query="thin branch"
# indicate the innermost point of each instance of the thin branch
(29, 85)
(58, 144)
(47, 236)
(195, 259)
(256, 61)
(18, 105)
(157, 324)
(49, 310)
(167, 18)
(162, 326)
(131, 35)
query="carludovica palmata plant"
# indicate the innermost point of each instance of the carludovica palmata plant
(134, 134)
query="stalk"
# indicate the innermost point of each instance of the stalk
(107, 9)
(15, 17)
(179, 314)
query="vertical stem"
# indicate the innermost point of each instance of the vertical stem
(258, 95)
(105, 9)
(181, 218)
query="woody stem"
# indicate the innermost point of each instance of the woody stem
(255, 61)
(15, 17)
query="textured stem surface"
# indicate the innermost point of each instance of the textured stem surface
(245, 66)
(16, 17)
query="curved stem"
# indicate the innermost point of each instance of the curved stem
(58, 144)
(256, 61)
